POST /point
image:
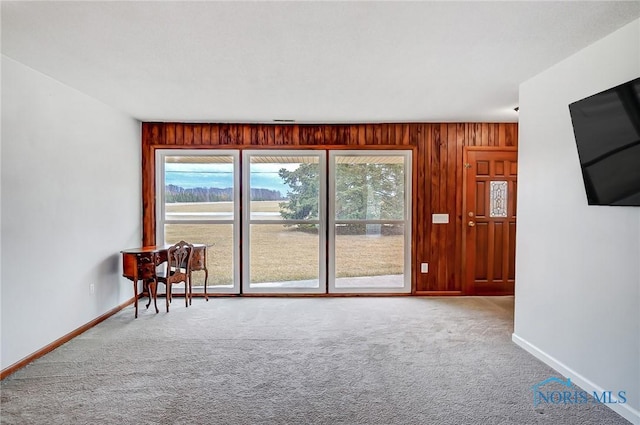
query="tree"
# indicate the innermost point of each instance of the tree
(363, 191)
(369, 191)
(303, 195)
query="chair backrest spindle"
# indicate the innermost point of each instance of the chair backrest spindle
(178, 269)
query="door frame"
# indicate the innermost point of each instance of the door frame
(407, 156)
(247, 221)
(159, 157)
(466, 285)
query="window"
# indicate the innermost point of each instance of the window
(309, 224)
(370, 221)
(284, 221)
(200, 204)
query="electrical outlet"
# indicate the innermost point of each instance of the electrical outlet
(92, 288)
(424, 267)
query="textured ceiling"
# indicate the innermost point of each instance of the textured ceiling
(329, 62)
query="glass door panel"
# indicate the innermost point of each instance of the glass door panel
(372, 257)
(219, 241)
(284, 232)
(370, 221)
(198, 201)
(284, 257)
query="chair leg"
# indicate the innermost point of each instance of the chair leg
(168, 296)
(190, 290)
(206, 276)
(185, 287)
(186, 292)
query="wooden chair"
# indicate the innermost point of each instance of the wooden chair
(178, 270)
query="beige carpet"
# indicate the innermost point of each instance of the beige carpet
(361, 360)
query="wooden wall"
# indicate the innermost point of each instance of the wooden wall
(438, 172)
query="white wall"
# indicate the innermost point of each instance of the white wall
(578, 280)
(71, 200)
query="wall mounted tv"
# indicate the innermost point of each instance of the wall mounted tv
(607, 132)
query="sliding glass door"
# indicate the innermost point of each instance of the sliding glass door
(284, 219)
(309, 224)
(370, 221)
(197, 200)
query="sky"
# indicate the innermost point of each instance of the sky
(263, 176)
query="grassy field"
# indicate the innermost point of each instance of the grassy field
(257, 206)
(280, 253)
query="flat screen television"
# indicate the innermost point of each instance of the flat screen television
(607, 132)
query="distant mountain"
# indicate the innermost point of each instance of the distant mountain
(175, 193)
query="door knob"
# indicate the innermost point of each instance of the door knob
(471, 224)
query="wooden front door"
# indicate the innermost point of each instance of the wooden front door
(489, 221)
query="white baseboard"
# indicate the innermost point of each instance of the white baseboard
(624, 410)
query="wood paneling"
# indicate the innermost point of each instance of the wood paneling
(438, 174)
